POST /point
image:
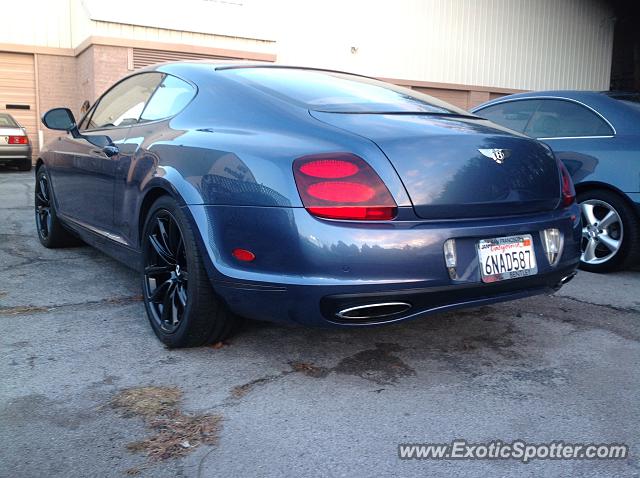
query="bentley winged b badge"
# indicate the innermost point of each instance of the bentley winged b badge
(498, 155)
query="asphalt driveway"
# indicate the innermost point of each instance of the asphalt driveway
(87, 390)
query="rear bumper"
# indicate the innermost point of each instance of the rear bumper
(430, 300)
(307, 269)
(10, 154)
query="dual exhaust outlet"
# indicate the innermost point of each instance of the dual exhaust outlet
(382, 310)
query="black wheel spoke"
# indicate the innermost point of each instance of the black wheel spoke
(164, 237)
(175, 313)
(167, 308)
(182, 295)
(170, 314)
(44, 191)
(162, 252)
(159, 294)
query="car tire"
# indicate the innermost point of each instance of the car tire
(51, 233)
(610, 232)
(181, 304)
(25, 165)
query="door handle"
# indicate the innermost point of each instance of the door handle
(110, 150)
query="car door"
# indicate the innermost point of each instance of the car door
(153, 128)
(83, 174)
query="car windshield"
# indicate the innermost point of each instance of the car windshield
(340, 92)
(7, 121)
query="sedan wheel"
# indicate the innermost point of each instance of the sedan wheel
(602, 231)
(609, 232)
(181, 305)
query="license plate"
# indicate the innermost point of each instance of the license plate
(505, 258)
(4, 139)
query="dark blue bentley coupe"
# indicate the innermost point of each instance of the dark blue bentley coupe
(597, 136)
(301, 195)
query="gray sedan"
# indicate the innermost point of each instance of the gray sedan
(15, 147)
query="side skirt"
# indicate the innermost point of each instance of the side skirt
(111, 244)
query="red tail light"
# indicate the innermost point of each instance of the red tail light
(568, 190)
(342, 186)
(18, 140)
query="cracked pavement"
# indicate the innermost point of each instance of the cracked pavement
(303, 402)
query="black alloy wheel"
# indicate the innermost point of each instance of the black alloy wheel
(182, 307)
(44, 219)
(166, 272)
(51, 232)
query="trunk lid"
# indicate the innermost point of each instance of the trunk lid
(450, 169)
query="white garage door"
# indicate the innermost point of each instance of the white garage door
(18, 92)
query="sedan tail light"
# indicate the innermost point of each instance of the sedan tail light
(18, 140)
(342, 186)
(568, 190)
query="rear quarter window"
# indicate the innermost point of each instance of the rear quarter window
(565, 119)
(514, 115)
(169, 99)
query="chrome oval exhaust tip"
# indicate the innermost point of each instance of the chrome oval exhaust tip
(564, 280)
(378, 311)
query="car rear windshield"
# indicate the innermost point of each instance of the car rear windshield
(629, 99)
(632, 97)
(339, 92)
(7, 121)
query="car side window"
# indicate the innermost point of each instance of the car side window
(84, 123)
(170, 98)
(123, 104)
(565, 119)
(511, 114)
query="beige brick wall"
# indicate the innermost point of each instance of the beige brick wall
(98, 68)
(85, 80)
(109, 65)
(56, 86)
(69, 81)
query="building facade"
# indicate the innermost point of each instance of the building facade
(462, 51)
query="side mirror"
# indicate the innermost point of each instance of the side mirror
(60, 119)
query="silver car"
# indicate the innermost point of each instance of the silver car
(15, 147)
